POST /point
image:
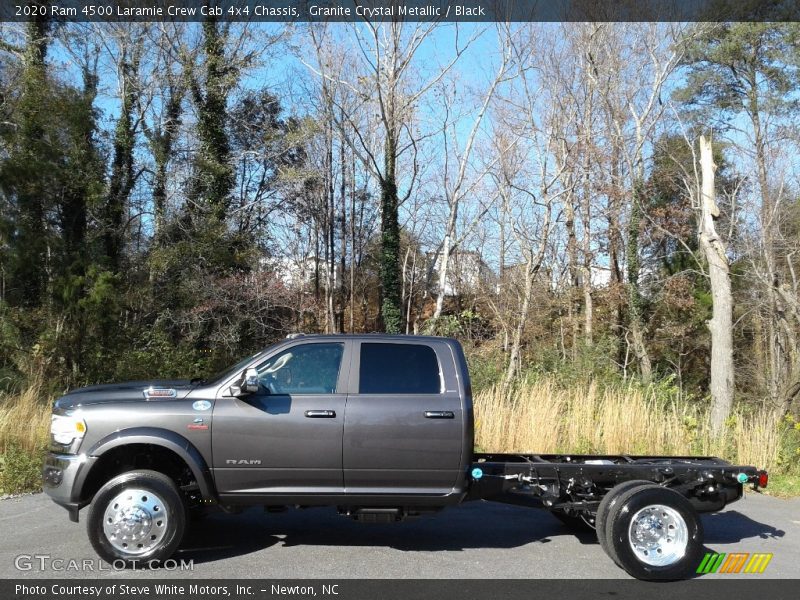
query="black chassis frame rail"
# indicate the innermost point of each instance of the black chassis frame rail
(567, 482)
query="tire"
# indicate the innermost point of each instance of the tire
(654, 533)
(608, 501)
(137, 519)
(573, 522)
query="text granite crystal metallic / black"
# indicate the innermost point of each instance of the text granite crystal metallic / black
(380, 427)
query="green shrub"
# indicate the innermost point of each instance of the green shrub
(445, 325)
(485, 368)
(20, 471)
(789, 454)
(587, 363)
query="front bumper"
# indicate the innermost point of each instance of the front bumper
(62, 479)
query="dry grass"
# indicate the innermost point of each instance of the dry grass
(757, 438)
(24, 432)
(543, 417)
(538, 416)
(25, 419)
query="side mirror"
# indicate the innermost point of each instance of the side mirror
(250, 384)
(247, 385)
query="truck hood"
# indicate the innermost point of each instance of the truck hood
(128, 391)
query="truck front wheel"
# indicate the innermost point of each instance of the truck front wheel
(655, 533)
(137, 519)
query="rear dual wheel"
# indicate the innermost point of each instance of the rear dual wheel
(650, 531)
(609, 501)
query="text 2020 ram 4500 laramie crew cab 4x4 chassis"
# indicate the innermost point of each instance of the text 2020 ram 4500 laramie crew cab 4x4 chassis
(380, 427)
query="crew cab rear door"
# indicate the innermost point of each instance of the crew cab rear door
(287, 438)
(404, 427)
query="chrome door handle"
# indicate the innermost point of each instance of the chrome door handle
(439, 414)
(321, 414)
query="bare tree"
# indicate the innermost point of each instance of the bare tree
(383, 82)
(640, 58)
(721, 323)
(460, 180)
(163, 112)
(530, 189)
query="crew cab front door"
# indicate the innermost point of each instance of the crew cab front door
(287, 437)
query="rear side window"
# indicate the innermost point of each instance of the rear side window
(398, 369)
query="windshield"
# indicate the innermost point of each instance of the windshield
(222, 375)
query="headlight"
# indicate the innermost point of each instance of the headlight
(66, 428)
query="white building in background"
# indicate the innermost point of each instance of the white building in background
(600, 276)
(295, 273)
(467, 273)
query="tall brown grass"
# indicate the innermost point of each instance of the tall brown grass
(24, 431)
(533, 417)
(543, 417)
(25, 419)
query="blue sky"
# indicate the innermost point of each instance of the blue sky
(284, 73)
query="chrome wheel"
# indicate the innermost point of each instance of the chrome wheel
(658, 535)
(135, 521)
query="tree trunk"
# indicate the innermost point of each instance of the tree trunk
(340, 273)
(410, 299)
(353, 245)
(330, 235)
(516, 339)
(214, 177)
(721, 323)
(122, 173)
(444, 265)
(588, 304)
(501, 291)
(776, 359)
(391, 308)
(574, 305)
(162, 148)
(29, 274)
(614, 243)
(636, 323)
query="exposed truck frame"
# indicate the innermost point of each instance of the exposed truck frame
(577, 483)
(609, 493)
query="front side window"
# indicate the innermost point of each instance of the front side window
(399, 369)
(305, 369)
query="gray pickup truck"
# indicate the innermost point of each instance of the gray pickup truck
(379, 426)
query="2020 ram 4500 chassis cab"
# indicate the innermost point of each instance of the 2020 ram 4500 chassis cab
(379, 426)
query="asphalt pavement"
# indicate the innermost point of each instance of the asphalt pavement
(475, 540)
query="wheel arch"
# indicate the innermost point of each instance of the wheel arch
(163, 440)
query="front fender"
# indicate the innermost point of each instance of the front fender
(157, 437)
